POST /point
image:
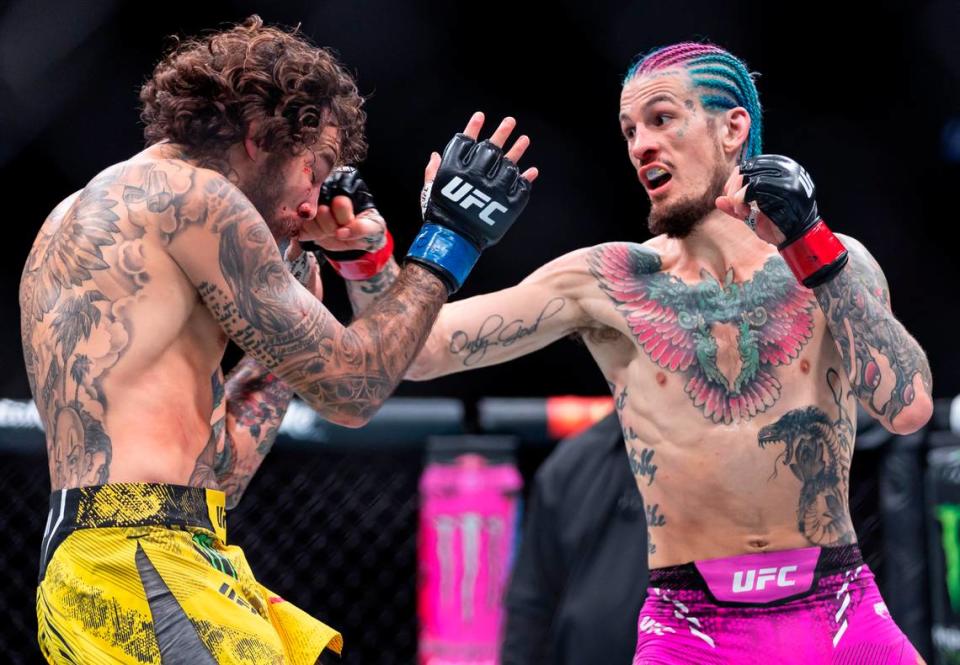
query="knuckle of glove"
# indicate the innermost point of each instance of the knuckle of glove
(457, 150)
(478, 192)
(485, 162)
(346, 181)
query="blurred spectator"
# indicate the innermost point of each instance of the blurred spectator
(581, 571)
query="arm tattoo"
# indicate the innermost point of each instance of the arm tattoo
(817, 450)
(876, 349)
(347, 372)
(241, 437)
(364, 292)
(494, 331)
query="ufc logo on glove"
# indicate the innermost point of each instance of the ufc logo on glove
(459, 191)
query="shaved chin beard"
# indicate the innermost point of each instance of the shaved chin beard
(681, 218)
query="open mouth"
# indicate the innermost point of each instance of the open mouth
(655, 177)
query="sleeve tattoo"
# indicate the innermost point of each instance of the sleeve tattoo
(881, 359)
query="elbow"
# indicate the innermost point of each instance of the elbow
(352, 415)
(913, 417)
(349, 421)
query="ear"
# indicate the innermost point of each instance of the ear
(735, 131)
(250, 145)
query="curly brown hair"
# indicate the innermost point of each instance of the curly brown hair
(206, 93)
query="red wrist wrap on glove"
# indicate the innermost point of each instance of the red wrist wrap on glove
(814, 250)
(367, 265)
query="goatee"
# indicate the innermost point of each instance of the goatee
(681, 218)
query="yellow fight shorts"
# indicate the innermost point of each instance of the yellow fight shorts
(141, 573)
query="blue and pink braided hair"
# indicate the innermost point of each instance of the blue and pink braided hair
(721, 78)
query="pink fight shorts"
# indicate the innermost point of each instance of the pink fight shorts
(807, 606)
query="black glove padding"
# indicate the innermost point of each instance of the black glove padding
(343, 181)
(478, 193)
(346, 181)
(784, 192)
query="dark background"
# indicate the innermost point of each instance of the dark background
(868, 103)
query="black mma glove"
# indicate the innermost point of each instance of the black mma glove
(785, 193)
(476, 197)
(352, 264)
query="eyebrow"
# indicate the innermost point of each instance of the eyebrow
(325, 153)
(659, 98)
(664, 97)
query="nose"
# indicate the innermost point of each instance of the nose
(308, 208)
(644, 148)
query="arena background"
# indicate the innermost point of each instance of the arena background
(869, 103)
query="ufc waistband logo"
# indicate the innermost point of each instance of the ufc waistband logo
(750, 580)
(467, 195)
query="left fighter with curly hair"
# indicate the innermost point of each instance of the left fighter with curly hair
(129, 295)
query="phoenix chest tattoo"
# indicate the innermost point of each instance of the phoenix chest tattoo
(725, 338)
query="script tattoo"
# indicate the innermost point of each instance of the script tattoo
(727, 338)
(818, 450)
(875, 347)
(495, 331)
(642, 465)
(655, 519)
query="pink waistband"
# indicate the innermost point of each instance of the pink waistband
(758, 578)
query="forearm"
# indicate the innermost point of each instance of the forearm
(361, 364)
(888, 370)
(365, 292)
(504, 325)
(256, 402)
(491, 329)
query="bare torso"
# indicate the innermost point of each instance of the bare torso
(736, 410)
(737, 417)
(122, 355)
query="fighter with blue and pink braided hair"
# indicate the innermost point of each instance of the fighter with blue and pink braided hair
(736, 353)
(721, 79)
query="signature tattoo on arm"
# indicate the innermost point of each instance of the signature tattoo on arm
(882, 360)
(496, 331)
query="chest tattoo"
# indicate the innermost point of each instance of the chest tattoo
(726, 338)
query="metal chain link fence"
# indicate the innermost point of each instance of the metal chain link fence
(332, 532)
(330, 529)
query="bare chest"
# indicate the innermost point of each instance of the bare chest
(725, 348)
